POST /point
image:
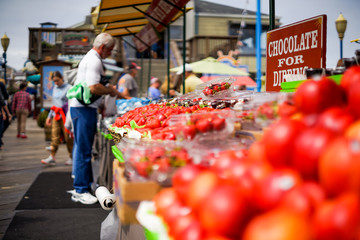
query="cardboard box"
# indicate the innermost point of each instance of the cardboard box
(130, 194)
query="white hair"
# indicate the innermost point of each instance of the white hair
(104, 38)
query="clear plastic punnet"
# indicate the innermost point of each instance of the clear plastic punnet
(219, 87)
(260, 110)
(153, 160)
(216, 124)
(203, 152)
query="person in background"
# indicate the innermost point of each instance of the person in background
(6, 113)
(21, 106)
(84, 117)
(57, 118)
(127, 84)
(154, 89)
(191, 80)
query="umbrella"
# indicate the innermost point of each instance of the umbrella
(212, 66)
(239, 80)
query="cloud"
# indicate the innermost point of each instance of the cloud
(16, 16)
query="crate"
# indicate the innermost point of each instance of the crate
(130, 194)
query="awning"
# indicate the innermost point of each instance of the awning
(121, 18)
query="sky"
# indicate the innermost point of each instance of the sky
(16, 16)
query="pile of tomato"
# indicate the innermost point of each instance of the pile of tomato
(301, 181)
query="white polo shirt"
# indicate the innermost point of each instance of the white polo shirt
(90, 70)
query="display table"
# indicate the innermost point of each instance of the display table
(103, 144)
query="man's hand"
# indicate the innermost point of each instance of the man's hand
(48, 122)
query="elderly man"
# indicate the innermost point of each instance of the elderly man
(84, 117)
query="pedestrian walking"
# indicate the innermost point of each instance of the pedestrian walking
(21, 106)
(57, 118)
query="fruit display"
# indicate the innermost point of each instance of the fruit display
(300, 181)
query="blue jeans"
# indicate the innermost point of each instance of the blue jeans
(84, 122)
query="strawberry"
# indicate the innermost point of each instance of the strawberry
(218, 124)
(203, 125)
(189, 132)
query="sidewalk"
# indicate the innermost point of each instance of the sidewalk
(20, 165)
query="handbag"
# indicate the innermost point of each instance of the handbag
(82, 92)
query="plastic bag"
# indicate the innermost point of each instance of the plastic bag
(110, 226)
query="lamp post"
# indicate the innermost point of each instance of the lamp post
(340, 24)
(5, 43)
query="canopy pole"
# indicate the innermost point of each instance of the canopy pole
(258, 45)
(142, 71)
(149, 74)
(168, 62)
(272, 14)
(184, 45)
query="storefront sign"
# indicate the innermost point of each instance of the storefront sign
(163, 12)
(293, 48)
(148, 36)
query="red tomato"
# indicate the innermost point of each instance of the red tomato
(353, 132)
(186, 227)
(164, 199)
(339, 166)
(354, 100)
(223, 161)
(200, 188)
(308, 147)
(182, 178)
(286, 109)
(314, 96)
(277, 225)
(303, 199)
(337, 219)
(173, 212)
(336, 119)
(278, 140)
(257, 152)
(223, 212)
(350, 78)
(245, 175)
(216, 237)
(269, 192)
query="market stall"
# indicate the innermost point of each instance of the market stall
(219, 163)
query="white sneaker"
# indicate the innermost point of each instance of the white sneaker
(68, 162)
(84, 198)
(71, 191)
(50, 161)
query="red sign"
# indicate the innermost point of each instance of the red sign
(293, 48)
(148, 36)
(163, 12)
